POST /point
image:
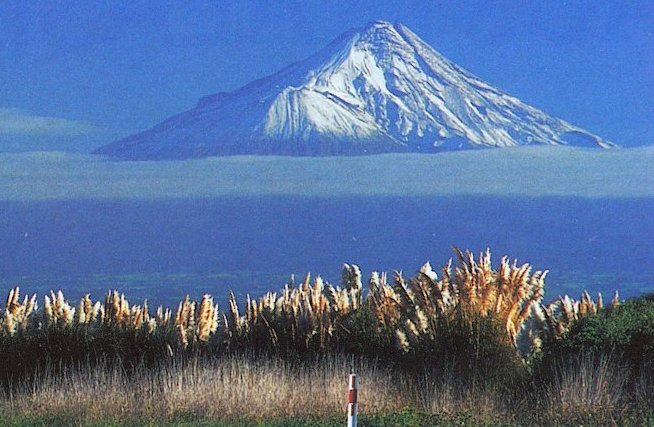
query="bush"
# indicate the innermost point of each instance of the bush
(474, 349)
(626, 331)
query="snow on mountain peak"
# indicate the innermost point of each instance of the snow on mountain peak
(376, 89)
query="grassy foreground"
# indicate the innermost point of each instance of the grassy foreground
(472, 346)
(244, 390)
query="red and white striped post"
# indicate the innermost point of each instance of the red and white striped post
(352, 401)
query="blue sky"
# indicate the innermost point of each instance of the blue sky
(75, 75)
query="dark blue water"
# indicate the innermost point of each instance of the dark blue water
(164, 249)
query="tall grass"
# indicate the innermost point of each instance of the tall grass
(587, 384)
(245, 389)
(468, 340)
(242, 387)
(313, 316)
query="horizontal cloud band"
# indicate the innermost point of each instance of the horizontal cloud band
(526, 171)
(14, 121)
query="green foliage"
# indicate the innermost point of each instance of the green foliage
(360, 334)
(405, 418)
(26, 352)
(626, 332)
(413, 418)
(472, 348)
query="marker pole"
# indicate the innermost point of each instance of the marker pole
(352, 401)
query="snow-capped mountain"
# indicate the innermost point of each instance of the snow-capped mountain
(372, 90)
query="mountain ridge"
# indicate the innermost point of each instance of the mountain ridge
(371, 90)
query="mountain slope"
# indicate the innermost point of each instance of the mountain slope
(372, 90)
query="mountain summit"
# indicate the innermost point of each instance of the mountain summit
(372, 90)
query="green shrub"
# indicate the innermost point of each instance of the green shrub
(626, 332)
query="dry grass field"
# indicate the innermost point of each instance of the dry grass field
(245, 389)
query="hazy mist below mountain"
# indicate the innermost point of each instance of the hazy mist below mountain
(524, 171)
